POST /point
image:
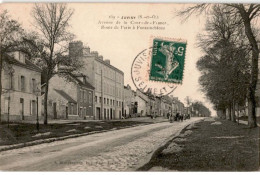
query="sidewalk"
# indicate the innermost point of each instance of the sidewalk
(25, 134)
(63, 121)
(211, 145)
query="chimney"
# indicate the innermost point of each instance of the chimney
(94, 53)
(107, 61)
(76, 49)
(100, 57)
(86, 51)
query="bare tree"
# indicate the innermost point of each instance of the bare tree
(52, 24)
(248, 13)
(188, 100)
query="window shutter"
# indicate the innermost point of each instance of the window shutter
(19, 82)
(24, 84)
(35, 85)
(30, 85)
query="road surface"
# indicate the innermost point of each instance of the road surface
(119, 150)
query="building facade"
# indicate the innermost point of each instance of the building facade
(107, 80)
(129, 99)
(140, 106)
(177, 106)
(76, 101)
(21, 85)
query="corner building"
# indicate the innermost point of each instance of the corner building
(107, 80)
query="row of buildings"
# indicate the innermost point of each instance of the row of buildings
(96, 91)
(137, 103)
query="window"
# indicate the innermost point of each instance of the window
(108, 101)
(89, 97)
(11, 81)
(22, 83)
(81, 95)
(104, 100)
(33, 85)
(100, 100)
(72, 109)
(95, 99)
(6, 103)
(85, 96)
(104, 113)
(113, 102)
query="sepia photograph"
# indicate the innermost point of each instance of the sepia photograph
(129, 87)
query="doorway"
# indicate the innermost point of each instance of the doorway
(22, 108)
(55, 110)
(98, 113)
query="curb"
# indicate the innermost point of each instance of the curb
(162, 146)
(41, 141)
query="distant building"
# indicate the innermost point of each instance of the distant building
(107, 80)
(167, 109)
(21, 84)
(150, 102)
(178, 106)
(70, 97)
(140, 106)
(159, 105)
(129, 99)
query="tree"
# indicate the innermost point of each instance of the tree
(188, 100)
(52, 24)
(10, 38)
(226, 64)
(201, 108)
(247, 13)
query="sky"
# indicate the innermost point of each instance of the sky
(122, 46)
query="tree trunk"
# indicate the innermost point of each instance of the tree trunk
(229, 112)
(224, 114)
(1, 68)
(233, 116)
(46, 103)
(254, 70)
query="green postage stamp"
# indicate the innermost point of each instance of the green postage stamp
(167, 60)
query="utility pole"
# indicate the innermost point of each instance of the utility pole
(37, 93)
(37, 122)
(8, 113)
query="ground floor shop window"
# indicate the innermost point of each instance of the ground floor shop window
(72, 109)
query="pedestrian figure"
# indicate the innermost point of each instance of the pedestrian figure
(171, 118)
(177, 117)
(168, 116)
(181, 117)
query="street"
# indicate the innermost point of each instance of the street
(119, 150)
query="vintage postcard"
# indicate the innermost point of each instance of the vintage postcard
(129, 87)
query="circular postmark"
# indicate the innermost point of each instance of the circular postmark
(140, 76)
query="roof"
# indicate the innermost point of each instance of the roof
(76, 78)
(66, 96)
(141, 98)
(28, 64)
(109, 65)
(84, 84)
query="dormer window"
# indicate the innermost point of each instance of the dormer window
(20, 56)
